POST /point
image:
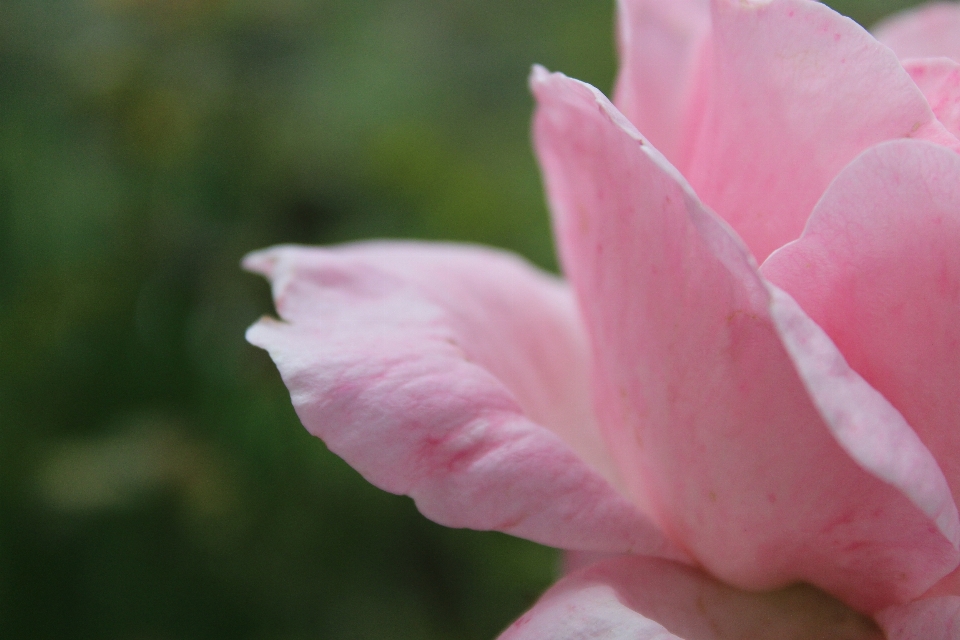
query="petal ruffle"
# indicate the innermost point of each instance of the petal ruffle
(427, 368)
(733, 418)
(793, 99)
(927, 31)
(630, 598)
(661, 46)
(878, 268)
(939, 80)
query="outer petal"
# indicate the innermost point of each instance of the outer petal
(631, 598)
(793, 99)
(878, 268)
(661, 50)
(939, 80)
(928, 31)
(732, 416)
(425, 366)
(928, 619)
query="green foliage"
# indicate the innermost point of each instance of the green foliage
(154, 480)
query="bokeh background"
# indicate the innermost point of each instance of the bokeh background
(155, 483)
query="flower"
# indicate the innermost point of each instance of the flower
(721, 430)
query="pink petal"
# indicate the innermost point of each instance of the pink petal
(926, 619)
(878, 268)
(927, 31)
(793, 98)
(939, 80)
(661, 46)
(732, 417)
(632, 598)
(428, 369)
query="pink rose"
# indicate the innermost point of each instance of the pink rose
(720, 430)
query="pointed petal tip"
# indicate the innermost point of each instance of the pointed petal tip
(256, 333)
(267, 262)
(539, 74)
(261, 262)
(553, 89)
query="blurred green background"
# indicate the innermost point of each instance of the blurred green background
(154, 481)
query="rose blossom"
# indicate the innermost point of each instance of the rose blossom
(720, 430)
